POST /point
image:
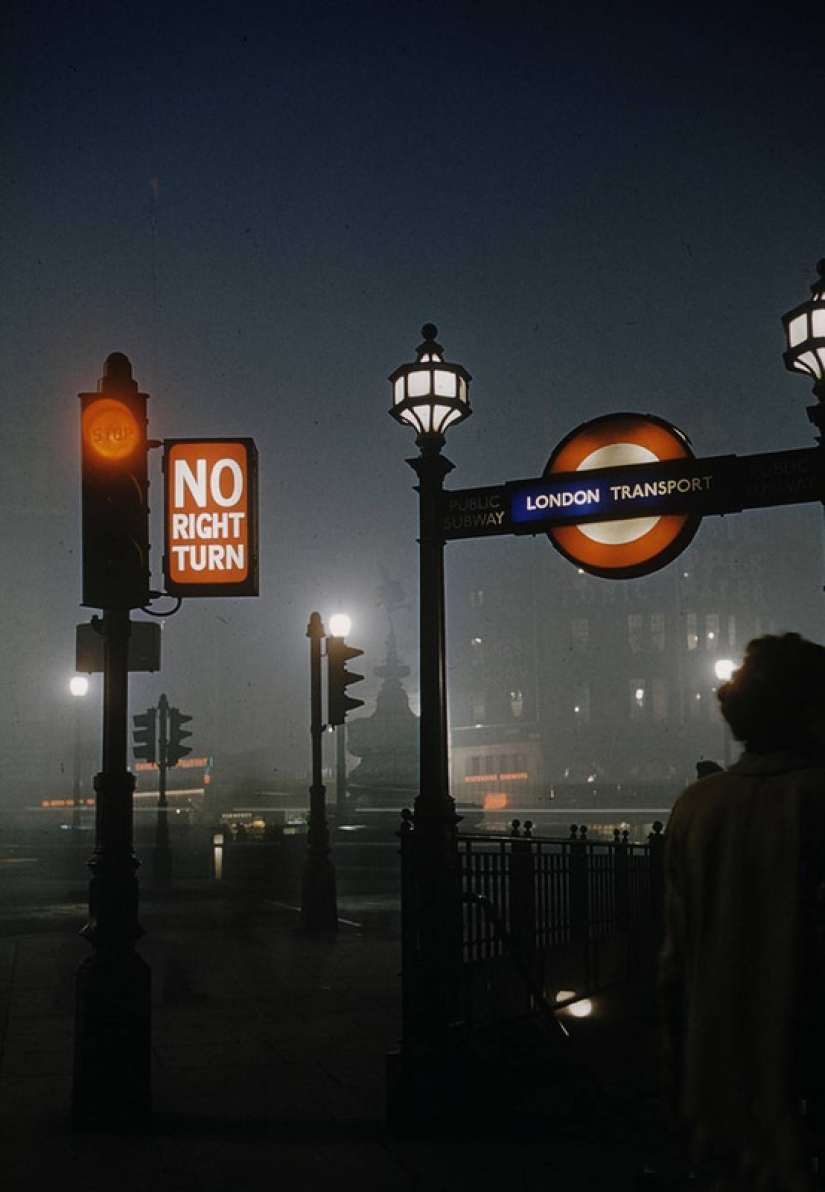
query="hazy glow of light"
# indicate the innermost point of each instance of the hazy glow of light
(78, 685)
(724, 668)
(340, 624)
(579, 1009)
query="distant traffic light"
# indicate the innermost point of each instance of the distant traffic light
(144, 735)
(339, 679)
(175, 750)
(115, 491)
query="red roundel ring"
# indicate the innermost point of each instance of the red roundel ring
(622, 549)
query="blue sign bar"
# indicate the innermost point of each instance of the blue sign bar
(610, 494)
(718, 484)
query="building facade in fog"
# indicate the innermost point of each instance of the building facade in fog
(571, 691)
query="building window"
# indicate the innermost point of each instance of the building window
(634, 632)
(477, 707)
(732, 632)
(581, 706)
(476, 651)
(657, 631)
(692, 631)
(638, 697)
(696, 705)
(477, 598)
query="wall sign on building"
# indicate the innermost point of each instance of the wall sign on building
(211, 517)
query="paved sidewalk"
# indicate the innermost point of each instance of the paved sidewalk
(269, 1068)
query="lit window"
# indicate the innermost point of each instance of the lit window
(637, 698)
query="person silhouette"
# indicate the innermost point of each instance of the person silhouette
(740, 968)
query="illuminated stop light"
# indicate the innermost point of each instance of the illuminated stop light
(144, 735)
(339, 679)
(175, 750)
(115, 491)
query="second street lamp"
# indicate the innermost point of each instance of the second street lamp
(78, 686)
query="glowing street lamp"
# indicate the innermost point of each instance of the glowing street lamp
(431, 395)
(340, 625)
(78, 686)
(723, 669)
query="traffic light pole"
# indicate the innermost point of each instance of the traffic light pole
(112, 1075)
(319, 908)
(162, 855)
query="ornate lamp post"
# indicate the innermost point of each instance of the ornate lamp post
(431, 395)
(805, 333)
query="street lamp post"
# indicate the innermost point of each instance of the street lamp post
(78, 686)
(430, 395)
(723, 669)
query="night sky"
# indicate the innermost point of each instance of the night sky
(603, 207)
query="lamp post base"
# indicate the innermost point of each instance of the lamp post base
(112, 1058)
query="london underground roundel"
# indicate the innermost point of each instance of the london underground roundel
(623, 548)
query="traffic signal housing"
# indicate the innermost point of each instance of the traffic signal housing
(339, 679)
(115, 484)
(175, 750)
(144, 735)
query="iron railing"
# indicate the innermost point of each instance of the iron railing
(540, 916)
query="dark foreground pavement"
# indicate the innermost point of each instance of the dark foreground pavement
(269, 1067)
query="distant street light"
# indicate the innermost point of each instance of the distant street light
(339, 626)
(431, 395)
(78, 686)
(724, 668)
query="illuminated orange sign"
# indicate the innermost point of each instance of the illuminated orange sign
(211, 517)
(625, 547)
(110, 429)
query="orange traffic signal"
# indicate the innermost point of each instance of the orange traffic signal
(115, 491)
(110, 429)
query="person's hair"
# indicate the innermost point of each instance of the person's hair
(771, 701)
